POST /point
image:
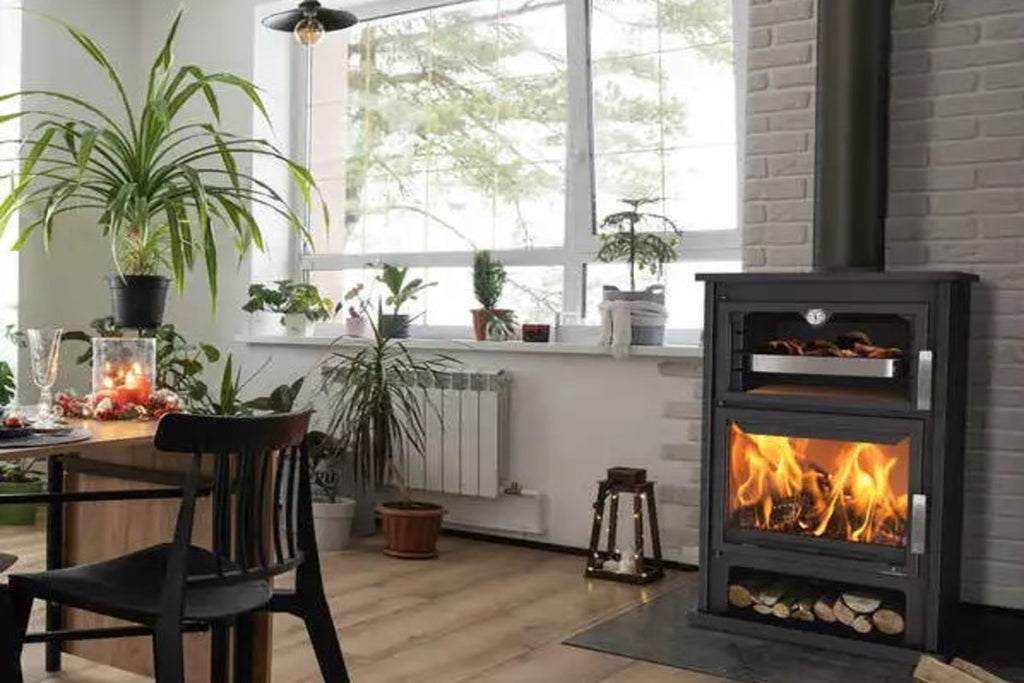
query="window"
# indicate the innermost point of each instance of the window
(514, 125)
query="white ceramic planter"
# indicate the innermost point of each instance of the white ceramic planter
(263, 324)
(297, 325)
(332, 523)
(357, 327)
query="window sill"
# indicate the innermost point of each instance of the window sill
(473, 346)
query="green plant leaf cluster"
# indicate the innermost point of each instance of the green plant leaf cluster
(7, 384)
(376, 407)
(489, 277)
(165, 185)
(19, 471)
(400, 292)
(287, 297)
(624, 240)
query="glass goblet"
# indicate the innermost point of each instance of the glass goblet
(44, 351)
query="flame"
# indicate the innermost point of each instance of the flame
(834, 489)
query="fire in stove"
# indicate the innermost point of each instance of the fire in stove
(845, 490)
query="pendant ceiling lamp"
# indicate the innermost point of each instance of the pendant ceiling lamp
(310, 21)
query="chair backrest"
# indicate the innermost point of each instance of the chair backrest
(260, 490)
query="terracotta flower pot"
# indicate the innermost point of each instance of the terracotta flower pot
(480, 319)
(410, 529)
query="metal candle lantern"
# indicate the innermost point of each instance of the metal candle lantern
(123, 370)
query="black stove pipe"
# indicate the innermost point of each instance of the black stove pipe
(852, 135)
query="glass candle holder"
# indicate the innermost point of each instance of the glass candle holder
(123, 370)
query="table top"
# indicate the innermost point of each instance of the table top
(104, 432)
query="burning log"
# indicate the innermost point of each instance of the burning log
(888, 620)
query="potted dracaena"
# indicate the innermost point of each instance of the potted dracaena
(395, 325)
(489, 278)
(167, 181)
(376, 416)
(646, 242)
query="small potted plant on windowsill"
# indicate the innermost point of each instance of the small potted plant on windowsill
(395, 325)
(299, 304)
(489, 278)
(355, 322)
(375, 416)
(623, 240)
(18, 477)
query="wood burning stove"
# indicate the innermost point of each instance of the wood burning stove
(833, 457)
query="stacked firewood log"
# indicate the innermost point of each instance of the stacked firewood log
(854, 344)
(784, 599)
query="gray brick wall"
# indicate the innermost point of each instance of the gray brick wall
(956, 202)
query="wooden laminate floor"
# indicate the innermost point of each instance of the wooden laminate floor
(482, 613)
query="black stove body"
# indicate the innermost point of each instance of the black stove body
(833, 446)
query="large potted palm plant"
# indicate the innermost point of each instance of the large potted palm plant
(375, 416)
(165, 186)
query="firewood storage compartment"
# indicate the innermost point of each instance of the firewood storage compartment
(833, 458)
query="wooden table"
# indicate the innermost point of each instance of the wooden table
(127, 500)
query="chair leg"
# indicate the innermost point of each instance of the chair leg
(168, 655)
(15, 609)
(219, 652)
(245, 636)
(324, 637)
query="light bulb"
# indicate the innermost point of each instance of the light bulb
(309, 31)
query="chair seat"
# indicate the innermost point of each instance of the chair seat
(129, 587)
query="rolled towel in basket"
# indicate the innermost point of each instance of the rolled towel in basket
(618, 318)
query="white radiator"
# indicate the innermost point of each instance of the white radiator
(467, 435)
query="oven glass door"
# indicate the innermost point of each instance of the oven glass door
(839, 483)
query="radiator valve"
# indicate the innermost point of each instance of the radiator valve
(514, 489)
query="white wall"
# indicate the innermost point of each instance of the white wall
(67, 287)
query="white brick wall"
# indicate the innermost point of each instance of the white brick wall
(956, 202)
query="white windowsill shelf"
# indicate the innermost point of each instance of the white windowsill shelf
(470, 345)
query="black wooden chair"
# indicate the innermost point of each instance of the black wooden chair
(176, 587)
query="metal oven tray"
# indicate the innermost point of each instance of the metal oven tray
(885, 368)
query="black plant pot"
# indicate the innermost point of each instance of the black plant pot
(394, 326)
(138, 300)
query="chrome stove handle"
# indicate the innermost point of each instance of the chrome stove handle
(918, 523)
(925, 370)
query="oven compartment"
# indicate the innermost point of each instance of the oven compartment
(845, 353)
(824, 484)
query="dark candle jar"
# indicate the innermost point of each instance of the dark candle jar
(536, 333)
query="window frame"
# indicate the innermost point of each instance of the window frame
(580, 242)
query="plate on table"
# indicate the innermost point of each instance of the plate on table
(52, 430)
(14, 432)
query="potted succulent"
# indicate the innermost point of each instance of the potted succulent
(375, 416)
(624, 239)
(18, 477)
(299, 304)
(395, 325)
(165, 181)
(489, 277)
